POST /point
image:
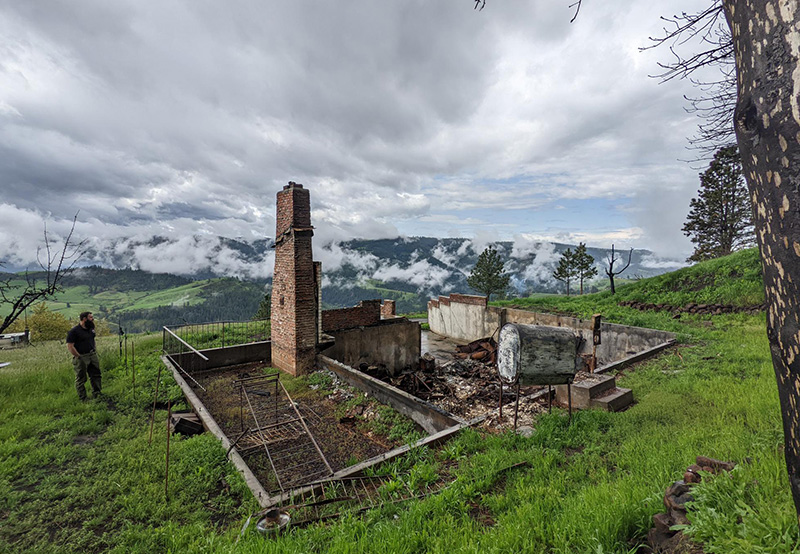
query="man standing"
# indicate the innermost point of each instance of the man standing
(80, 343)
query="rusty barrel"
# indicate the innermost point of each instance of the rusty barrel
(537, 354)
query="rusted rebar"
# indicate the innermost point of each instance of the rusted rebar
(166, 470)
(153, 414)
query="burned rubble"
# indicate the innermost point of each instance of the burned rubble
(467, 385)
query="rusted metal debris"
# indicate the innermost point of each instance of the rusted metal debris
(483, 350)
(332, 498)
(185, 422)
(279, 430)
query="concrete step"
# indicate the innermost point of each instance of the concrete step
(614, 401)
(583, 391)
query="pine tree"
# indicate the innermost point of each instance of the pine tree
(584, 264)
(488, 276)
(565, 270)
(264, 307)
(720, 219)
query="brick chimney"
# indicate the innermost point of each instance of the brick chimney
(295, 294)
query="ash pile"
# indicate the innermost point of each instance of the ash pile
(467, 386)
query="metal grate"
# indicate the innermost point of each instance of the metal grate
(218, 334)
(279, 430)
(329, 499)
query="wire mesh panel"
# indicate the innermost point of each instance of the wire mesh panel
(332, 498)
(220, 334)
(272, 424)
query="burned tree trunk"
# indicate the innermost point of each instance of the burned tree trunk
(612, 259)
(766, 38)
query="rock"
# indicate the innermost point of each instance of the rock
(658, 540)
(715, 466)
(677, 488)
(427, 363)
(662, 523)
(678, 517)
(525, 431)
(691, 477)
(679, 502)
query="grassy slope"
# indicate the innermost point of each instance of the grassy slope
(591, 487)
(80, 299)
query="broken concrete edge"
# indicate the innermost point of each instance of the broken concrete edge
(430, 417)
(357, 469)
(638, 357)
(211, 426)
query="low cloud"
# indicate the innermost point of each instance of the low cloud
(419, 273)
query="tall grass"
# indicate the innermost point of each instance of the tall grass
(589, 487)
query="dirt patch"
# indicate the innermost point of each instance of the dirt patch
(83, 440)
(693, 308)
(343, 443)
(481, 514)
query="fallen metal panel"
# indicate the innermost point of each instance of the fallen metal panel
(638, 357)
(430, 417)
(211, 426)
(352, 471)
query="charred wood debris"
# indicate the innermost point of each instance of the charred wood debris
(464, 383)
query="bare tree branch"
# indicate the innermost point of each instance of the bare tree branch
(55, 265)
(612, 259)
(577, 6)
(717, 98)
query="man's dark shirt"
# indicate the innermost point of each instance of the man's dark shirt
(83, 339)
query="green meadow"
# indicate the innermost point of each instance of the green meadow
(85, 478)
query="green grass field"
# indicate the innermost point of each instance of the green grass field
(80, 299)
(82, 477)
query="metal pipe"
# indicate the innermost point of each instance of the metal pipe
(177, 365)
(263, 440)
(500, 403)
(569, 401)
(303, 421)
(186, 344)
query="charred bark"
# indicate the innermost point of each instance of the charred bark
(612, 259)
(766, 38)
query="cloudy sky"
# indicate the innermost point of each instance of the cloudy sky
(405, 118)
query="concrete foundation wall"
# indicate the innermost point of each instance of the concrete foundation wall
(394, 343)
(461, 317)
(431, 418)
(222, 357)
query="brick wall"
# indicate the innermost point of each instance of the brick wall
(294, 285)
(367, 312)
(388, 309)
(469, 299)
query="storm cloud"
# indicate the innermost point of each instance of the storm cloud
(403, 118)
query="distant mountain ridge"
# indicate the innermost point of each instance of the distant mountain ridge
(407, 269)
(146, 283)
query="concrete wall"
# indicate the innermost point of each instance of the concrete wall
(223, 357)
(394, 343)
(431, 418)
(462, 317)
